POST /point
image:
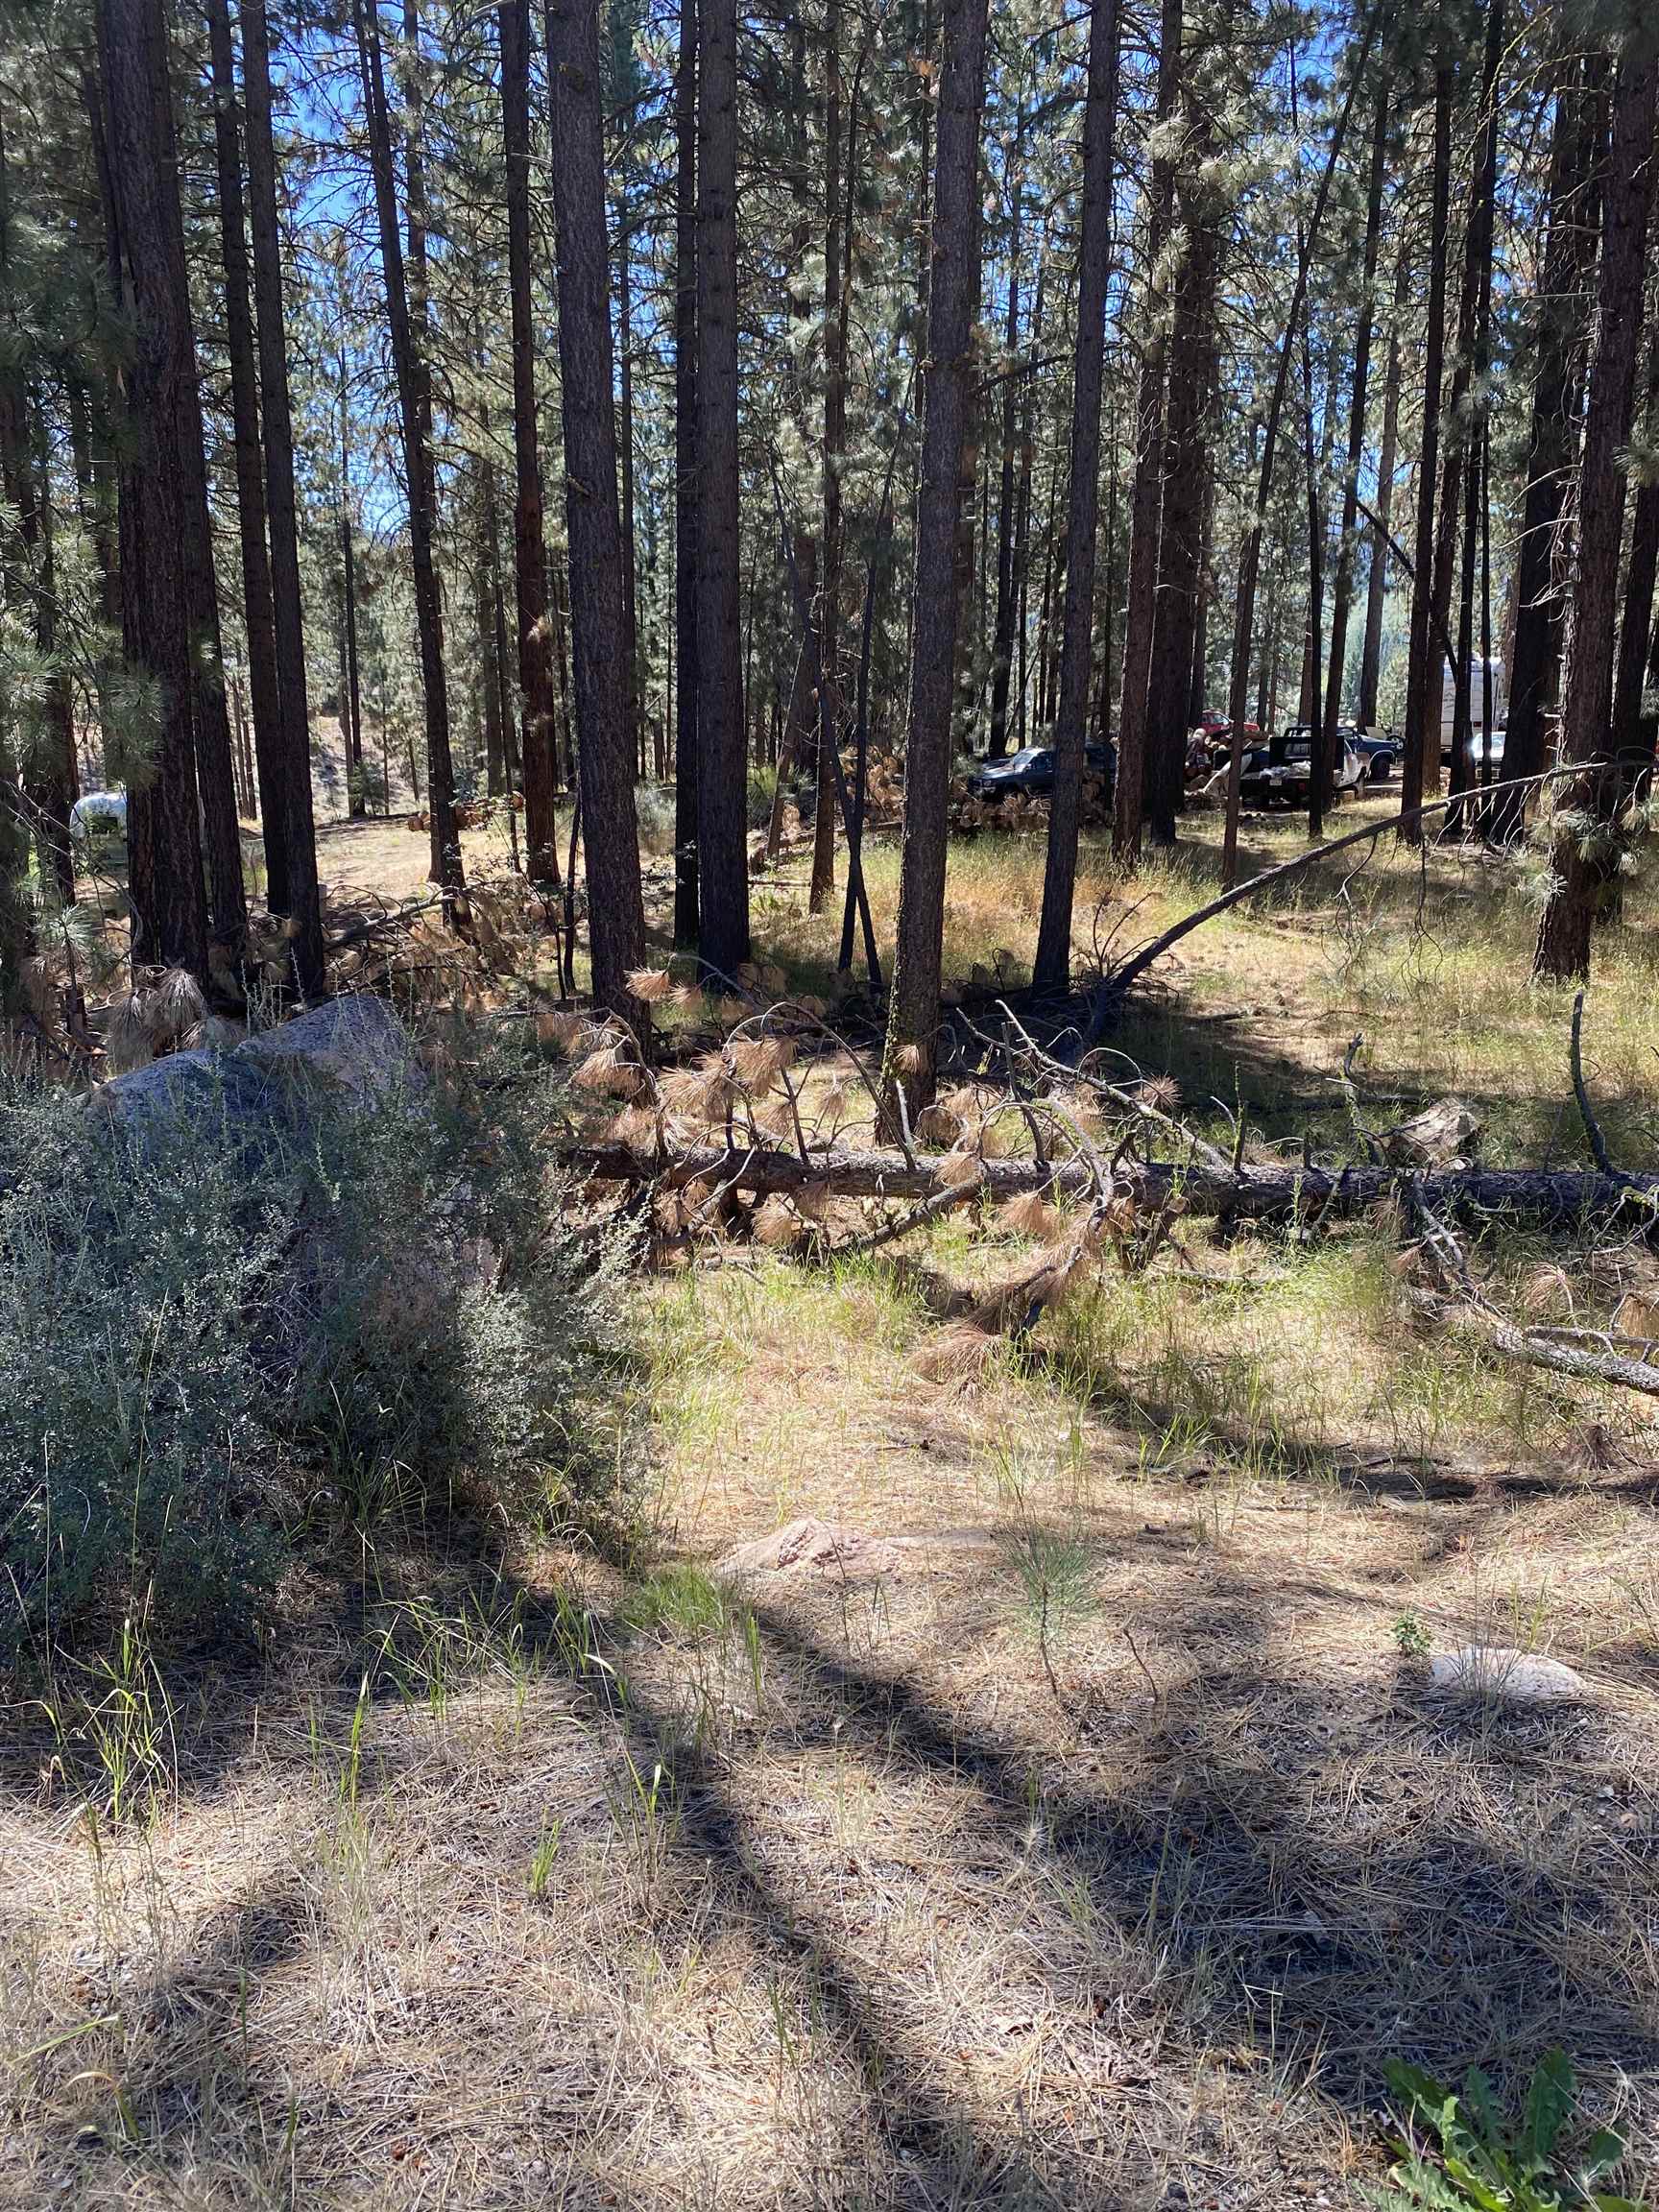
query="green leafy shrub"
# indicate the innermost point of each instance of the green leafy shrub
(654, 815)
(210, 1333)
(1467, 2156)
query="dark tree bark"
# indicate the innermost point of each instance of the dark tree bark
(1003, 647)
(1582, 855)
(1022, 512)
(604, 746)
(1146, 501)
(258, 611)
(625, 455)
(1198, 684)
(722, 768)
(529, 545)
(1633, 730)
(1569, 254)
(686, 480)
(163, 834)
(1422, 693)
(1342, 585)
(1461, 440)
(304, 911)
(1377, 579)
(837, 227)
(414, 411)
(1053, 964)
(1192, 356)
(954, 257)
(1476, 341)
(487, 520)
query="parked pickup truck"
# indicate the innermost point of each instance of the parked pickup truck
(1279, 773)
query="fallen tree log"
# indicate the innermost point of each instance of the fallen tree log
(1247, 1193)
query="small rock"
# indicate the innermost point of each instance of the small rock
(843, 1550)
(1497, 1675)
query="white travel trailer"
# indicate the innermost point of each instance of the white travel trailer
(1476, 707)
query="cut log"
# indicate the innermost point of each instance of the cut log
(1249, 1193)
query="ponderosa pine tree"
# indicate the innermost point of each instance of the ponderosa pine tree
(603, 739)
(529, 548)
(1193, 342)
(164, 832)
(1583, 844)
(722, 760)
(302, 908)
(685, 479)
(1422, 691)
(908, 1069)
(1146, 499)
(1568, 255)
(1342, 585)
(1052, 970)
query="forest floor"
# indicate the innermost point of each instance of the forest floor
(1076, 1827)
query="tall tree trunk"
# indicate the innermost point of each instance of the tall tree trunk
(722, 792)
(1003, 648)
(1022, 512)
(837, 220)
(625, 455)
(1478, 343)
(1342, 586)
(1198, 684)
(258, 611)
(1568, 254)
(541, 776)
(1461, 440)
(293, 799)
(1146, 501)
(414, 411)
(483, 617)
(304, 911)
(1581, 859)
(352, 713)
(1377, 578)
(1342, 590)
(1422, 693)
(616, 909)
(1633, 730)
(164, 832)
(1052, 970)
(685, 479)
(1191, 381)
(953, 256)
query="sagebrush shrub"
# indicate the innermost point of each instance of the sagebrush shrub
(208, 1330)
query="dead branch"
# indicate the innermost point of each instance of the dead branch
(1535, 1347)
(1249, 1192)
